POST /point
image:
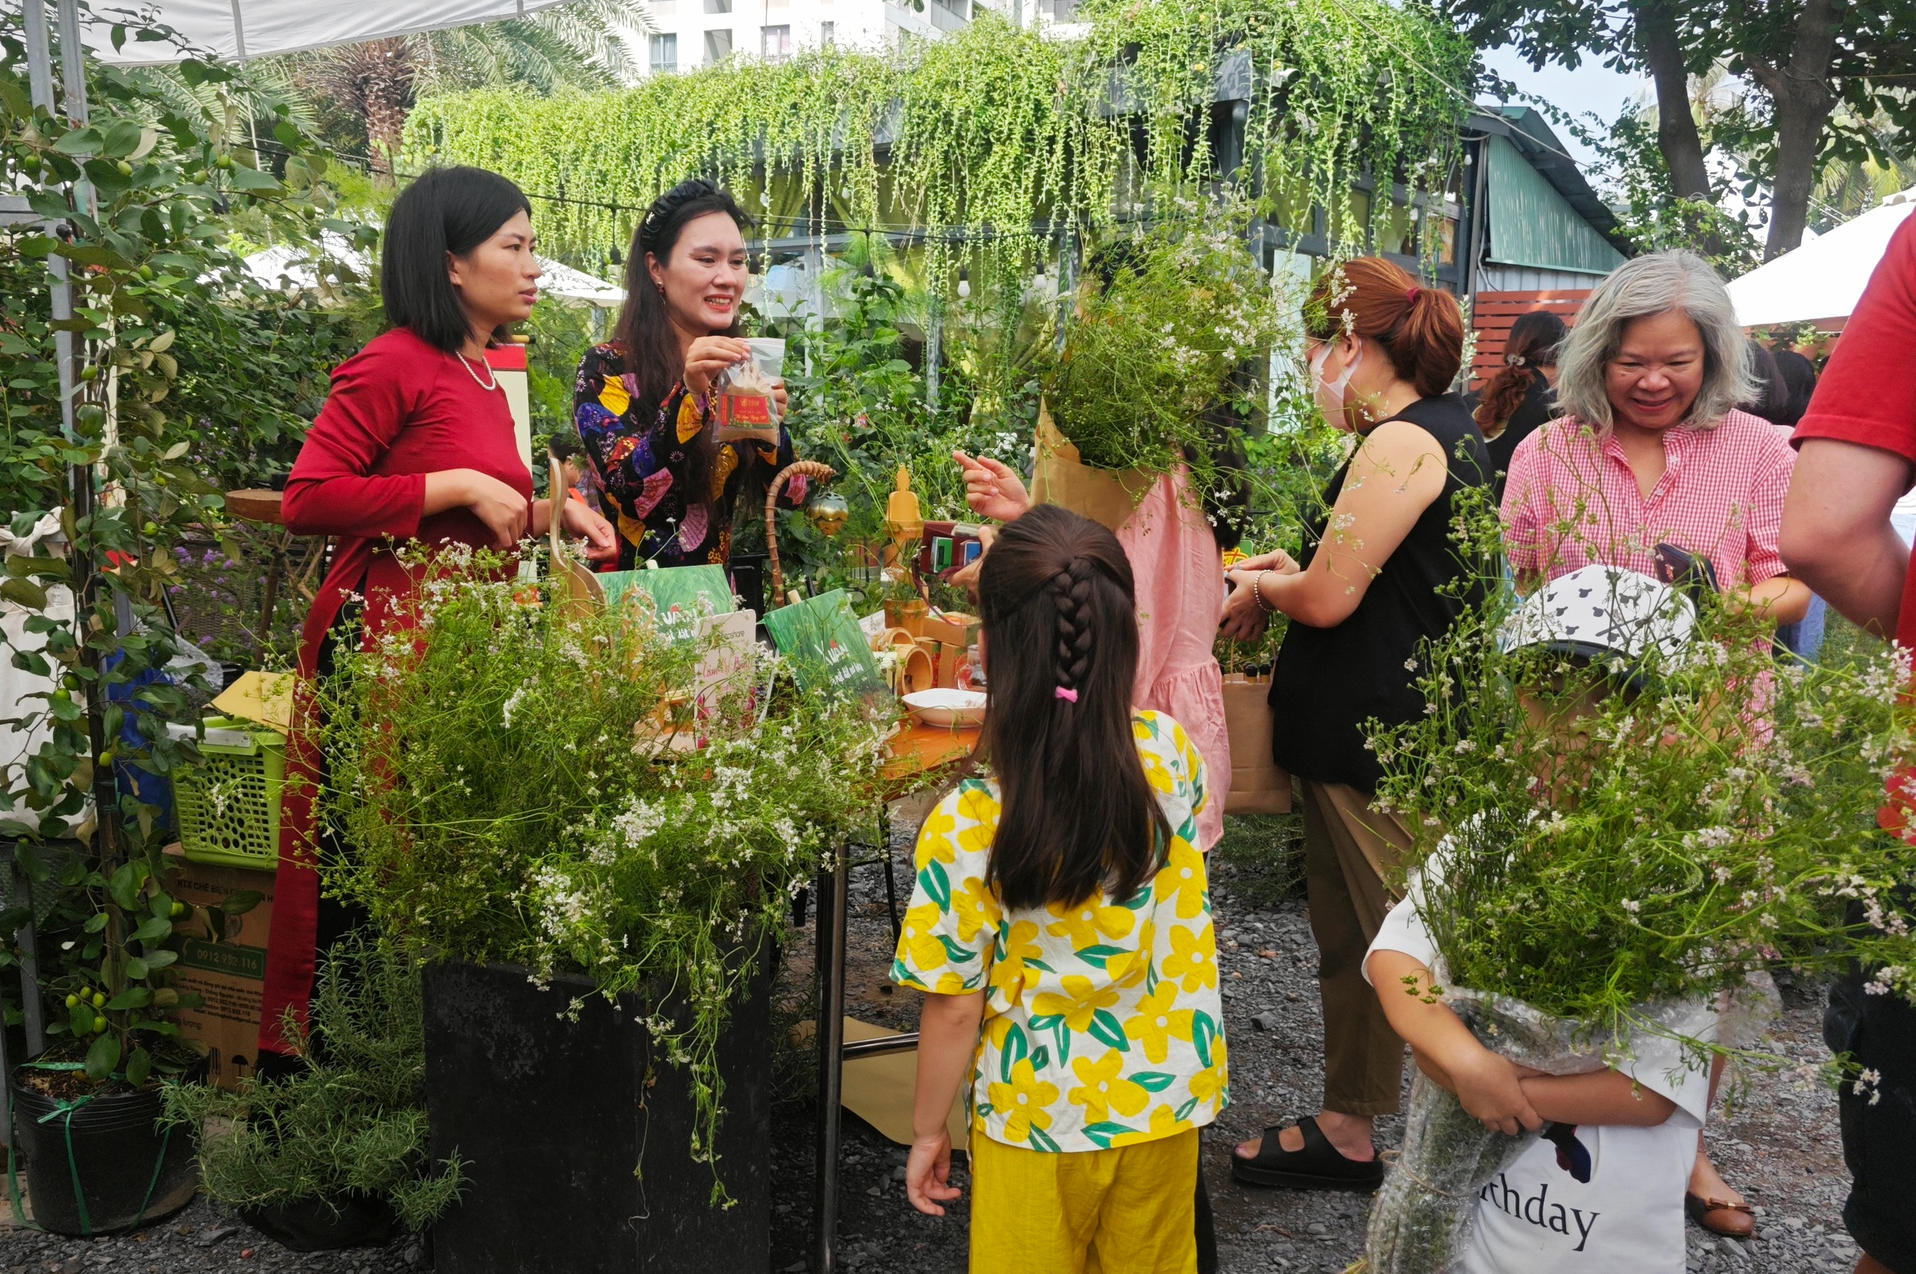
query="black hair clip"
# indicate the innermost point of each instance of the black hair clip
(670, 202)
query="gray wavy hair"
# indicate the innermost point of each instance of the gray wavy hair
(1642, 288)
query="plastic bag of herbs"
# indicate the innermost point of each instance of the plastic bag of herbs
(1163, 325)
(334, 1154)
(587, 792)
(1623, 848)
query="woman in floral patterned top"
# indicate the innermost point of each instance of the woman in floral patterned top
(642, 402)
(1061, 926)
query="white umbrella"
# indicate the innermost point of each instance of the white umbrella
(241, 29)
(1823, 279)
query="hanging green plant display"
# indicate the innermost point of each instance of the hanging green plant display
(996, 135)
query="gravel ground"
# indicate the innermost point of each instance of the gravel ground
(1778, 1143)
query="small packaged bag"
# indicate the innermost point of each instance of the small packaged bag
(745, 409)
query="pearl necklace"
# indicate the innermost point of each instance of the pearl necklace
(465, 363)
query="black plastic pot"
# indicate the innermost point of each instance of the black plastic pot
(318, 1225)
(553, 1118)
(129, 1172)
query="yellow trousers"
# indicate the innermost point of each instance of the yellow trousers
(1128, 1210)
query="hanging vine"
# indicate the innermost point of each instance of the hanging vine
(994, 136)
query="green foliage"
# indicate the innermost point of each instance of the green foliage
(1265, 853)
(352, 1122)
(862, 408)
(999, 132)
(1612, 848)
(145, 248)
(508, 778)
(1150, 372)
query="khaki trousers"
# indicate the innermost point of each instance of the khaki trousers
(1348, 847)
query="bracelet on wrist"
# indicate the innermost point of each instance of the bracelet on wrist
(1257, 593)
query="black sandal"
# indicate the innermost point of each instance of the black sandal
(1318, 1166)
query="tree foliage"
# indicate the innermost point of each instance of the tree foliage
(1826, 69)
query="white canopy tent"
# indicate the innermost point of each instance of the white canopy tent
(242, 29)
(1821, 281)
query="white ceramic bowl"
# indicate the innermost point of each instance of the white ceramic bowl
(947, 707)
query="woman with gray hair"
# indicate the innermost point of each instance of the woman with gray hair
(1651, 450)
(1652, 455)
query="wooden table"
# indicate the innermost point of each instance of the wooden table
(915, 753)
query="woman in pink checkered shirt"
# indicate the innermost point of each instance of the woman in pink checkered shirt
(1651, 451)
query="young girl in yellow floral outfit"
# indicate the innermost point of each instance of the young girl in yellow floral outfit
(1061, 905)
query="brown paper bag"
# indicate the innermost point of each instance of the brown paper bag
(1106, 496)
(1258, 785)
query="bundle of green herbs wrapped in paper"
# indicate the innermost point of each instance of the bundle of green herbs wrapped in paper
(579, 793)
(1162, 327)
(1612, 848)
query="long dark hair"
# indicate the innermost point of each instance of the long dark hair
(652, 353)
(1534, 340)
(444, 210)
(1799, 377)
(1060, 615)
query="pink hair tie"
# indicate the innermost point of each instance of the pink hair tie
(1412, 295)
(1066, 693)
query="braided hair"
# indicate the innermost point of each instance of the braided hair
(1078, 816)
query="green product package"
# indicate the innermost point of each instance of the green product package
(828, 652)
(680, 595)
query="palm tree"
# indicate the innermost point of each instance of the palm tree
(582, 44)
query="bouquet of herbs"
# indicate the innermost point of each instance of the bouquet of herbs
(1156, 346)
(576, 793)
(1620, 845)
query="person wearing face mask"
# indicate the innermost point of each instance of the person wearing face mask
(642, 402)
(414, 445)
(1378, 575)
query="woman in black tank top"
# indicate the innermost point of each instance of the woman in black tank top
(1368, 587)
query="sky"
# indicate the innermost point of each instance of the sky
(1591, 87)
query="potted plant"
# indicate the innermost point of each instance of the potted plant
(601, 898)
(905, 606)
(333, 1156)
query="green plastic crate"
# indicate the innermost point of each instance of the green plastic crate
(229, 801)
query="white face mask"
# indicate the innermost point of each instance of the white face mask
(1330, 396)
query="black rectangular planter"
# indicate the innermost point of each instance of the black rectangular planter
(555, 1119)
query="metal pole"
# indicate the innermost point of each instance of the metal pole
(831, 1061)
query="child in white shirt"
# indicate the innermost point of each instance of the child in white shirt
(1601, 1190)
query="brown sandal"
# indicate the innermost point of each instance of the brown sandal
(1731, 1220)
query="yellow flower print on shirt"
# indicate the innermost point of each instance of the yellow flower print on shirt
(977, 908)
(1164, 1123)
(1088, 923)
(1183, 877)
(934, 839)
(1193, 957)
(919, 938)
(1129, 968)
(1023, 1102)
(1159, 1021)
(1094, 1000)
(1008, 970)
(1080, 1002)
(1103, 1088)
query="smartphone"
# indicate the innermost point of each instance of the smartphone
(1687, 572)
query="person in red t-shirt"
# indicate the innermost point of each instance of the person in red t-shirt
(1857, 447)
(415, 444)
